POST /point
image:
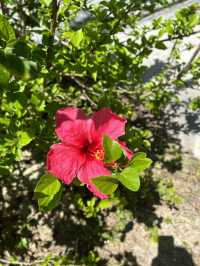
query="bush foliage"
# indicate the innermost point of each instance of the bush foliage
(76, 53)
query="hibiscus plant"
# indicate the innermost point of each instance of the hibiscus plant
(95, 56)
(91, 151)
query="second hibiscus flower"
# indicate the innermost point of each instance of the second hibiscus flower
(81, 153)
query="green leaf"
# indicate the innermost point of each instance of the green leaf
(129, 177)
(160, 45)
(112, 149)
(24, 138)
(48, 192)
(139, 155)
(75, 37)
(49, 203)
(5, 121)
(18, 66)
(94, 75)
(104, 204)
(46, 2)
(4, 76)
(140, 162)
(105, 184)
(38, 101)
(6, 31)
(194, 20)
(22, 49)
(157, 22)
(48, 185)
(30, 69)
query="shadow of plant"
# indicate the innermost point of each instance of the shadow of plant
(16, 207)
(79, 234)
(21, 221)
(126, 259)
(165, 142)
(70, 228)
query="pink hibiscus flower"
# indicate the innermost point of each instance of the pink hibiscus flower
(80, 153)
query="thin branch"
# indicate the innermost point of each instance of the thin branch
(54, 23)
(189, 64)
(55, 6)
(180, 37)
(3, 7)
(84, 89)
(21, 263)
(157, 10)
(172, 50)
(169, 39)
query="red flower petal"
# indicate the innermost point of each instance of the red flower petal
(82, 143)
(89, 170)
(69, 113)
(75, 133)
(106, 122)
(127, 151)
(64, 162)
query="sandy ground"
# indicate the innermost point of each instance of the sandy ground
(177, 240)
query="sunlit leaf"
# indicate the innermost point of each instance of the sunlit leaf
(129, 177)
(46, 2)
(6, 31)
(24, 138)
(113, 150)
(140, 162)
(75, 37)
(48, 192)
(105, 184)
(48, 185)
(104, 204)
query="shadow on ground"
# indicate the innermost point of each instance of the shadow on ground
(79, 235)
(171, 255)
(165, 142)
(70, 228)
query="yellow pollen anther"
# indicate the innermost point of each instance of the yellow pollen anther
(99, 155)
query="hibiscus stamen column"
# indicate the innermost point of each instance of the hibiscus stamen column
(99, 154)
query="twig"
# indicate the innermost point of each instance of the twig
(156, 10)
(180, 36)
(170, 60)
(20, 263)
(189, 64)
(55, 6)
(54, 12)
(169, 39)
(81, 85)
(84, 88)
(3, 8)
(172, 50)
